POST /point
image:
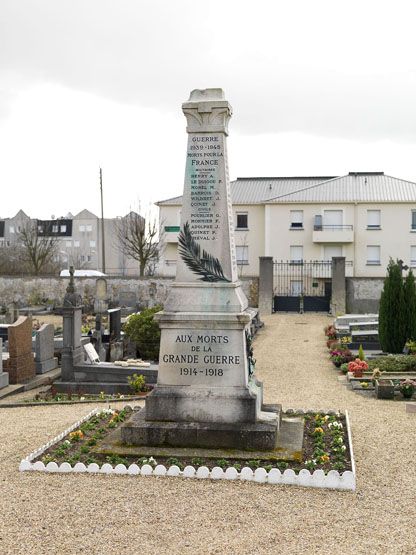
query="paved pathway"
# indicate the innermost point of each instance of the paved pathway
(125, 515)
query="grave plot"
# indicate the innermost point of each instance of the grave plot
(384, 376)
(321, 455)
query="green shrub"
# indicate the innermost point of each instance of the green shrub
(392, 312)
(137, 382)
(394, 363)
(144, 331)
(409, 290)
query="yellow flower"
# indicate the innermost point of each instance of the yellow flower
(77, 434)
(324, 459)
(318, 430)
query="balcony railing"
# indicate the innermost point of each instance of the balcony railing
(318, 227)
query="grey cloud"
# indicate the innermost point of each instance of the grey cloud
(153, 53)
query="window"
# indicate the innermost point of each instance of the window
(76, 243)
(40, 229)
(242, 254)
(242, 220)
(413, 220)
(88, 227)
(69, 243)
(82, 228)
(373, 219)
(296, 254)
(92, 244)
(373, 255)
(89, 258)
(63, 228)
(55, 228)
(332, 250)
(296, 219)
(11, 229)
(82, 257)
(333, 219)
(413, 256)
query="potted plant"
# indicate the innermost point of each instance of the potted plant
(357, 367)
(339, 356)
(384, 389)
(333, 344)
(344, 367)
(407, 388)
(331, 332)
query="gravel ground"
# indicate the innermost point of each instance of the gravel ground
(68, 514)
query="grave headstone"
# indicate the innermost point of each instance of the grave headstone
(91, 353)
(72, 318)
(115, 324)
(206, 394)
(12, 313)
(44, 349)
(20, 364)
(101, 296)
(97, 335)
(4, 376)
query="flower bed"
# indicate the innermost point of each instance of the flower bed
(327, 455)
(52, 398)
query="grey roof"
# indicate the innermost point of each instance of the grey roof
(256, 190)
(353, 187)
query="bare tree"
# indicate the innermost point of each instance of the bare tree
(139, 240)
(11, 260)
(39, 251)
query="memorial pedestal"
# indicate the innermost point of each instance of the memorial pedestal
(206, 395)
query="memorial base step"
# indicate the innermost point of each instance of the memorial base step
(261, 435)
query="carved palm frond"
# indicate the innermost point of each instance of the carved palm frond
(206, 266)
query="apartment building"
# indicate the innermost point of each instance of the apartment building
(80, 241)
(367, 217)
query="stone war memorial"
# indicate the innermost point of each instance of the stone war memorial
(206, 393)
(205, 416)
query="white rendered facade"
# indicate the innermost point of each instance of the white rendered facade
(366, 217)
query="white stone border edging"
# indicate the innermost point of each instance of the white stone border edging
(318, 479)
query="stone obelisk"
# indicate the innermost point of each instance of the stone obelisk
(206, 394)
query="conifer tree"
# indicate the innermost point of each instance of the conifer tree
(392, 312)
(410, 305)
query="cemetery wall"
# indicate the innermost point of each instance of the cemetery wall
(363, 294)
(128, 291)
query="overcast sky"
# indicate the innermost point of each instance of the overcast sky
(317, 87)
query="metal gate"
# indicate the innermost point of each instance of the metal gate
(302, 286)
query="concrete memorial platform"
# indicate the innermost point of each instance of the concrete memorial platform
(206, 394)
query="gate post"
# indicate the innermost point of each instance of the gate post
(266, 285)
(338, 297)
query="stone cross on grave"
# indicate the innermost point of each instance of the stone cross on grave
(206, 393)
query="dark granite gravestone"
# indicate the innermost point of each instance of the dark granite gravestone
(115, 324)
